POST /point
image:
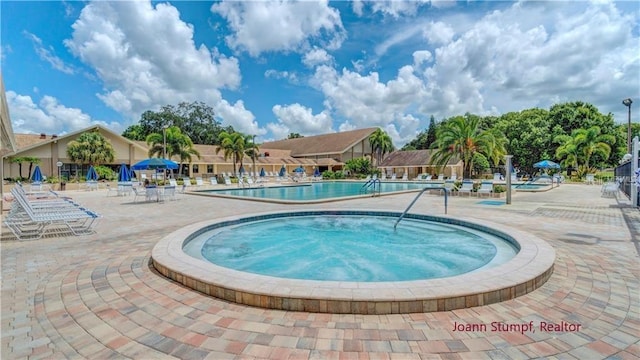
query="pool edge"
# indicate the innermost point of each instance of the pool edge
(529, 270)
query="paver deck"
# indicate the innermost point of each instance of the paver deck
(97, 297)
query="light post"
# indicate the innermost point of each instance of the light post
(164, 141)
(164, 149)
(253, 155)
(627, 103)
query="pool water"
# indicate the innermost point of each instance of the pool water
(350, 248)
(317, 191)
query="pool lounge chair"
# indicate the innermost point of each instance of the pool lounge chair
(450, 185)
(405, 176)
(199, 182)
(467, 187)
(486, 187)
(393, 177)
(31, 219)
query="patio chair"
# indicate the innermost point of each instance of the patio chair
(467, 187)
(138, 192)
(486, 187)
(393, 177)
(199, 182)
(440, 177)
(169, 192)
(405, 176)
(151, 193)
(31, 219)
(450, 185)
(227, 180)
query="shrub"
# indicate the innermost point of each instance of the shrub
(499, 189)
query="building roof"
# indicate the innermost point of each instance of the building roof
(411, 158)
(334, 143)
(30, 141)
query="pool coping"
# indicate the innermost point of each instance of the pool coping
(527, 271)
(212, 193)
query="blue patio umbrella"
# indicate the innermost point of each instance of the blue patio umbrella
(546, 164)
(283, 171)
(154, 163)
(299, 169)
(316, 172)
(242, 170)
(262, 173)
(92, 175)
(37, 174)
(124, 175)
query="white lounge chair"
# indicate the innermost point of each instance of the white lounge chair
(405, 176)
(169, 192)
(467, 187)
(199, 182)
(31, 219)
(486, 187)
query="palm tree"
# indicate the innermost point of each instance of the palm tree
(462, 137)
(178, 145)
(582, 145)
(90, 148)
(234, 145)
(567, 152)
(380, 144)
(591, 142)
(251, 149)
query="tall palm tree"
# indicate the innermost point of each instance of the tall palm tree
(380, 144)
(582, 144)
(234, 146)
(591, 142)
(251, 149)
(567, 152)
(462, 137)
(178, 145)
(90, 148)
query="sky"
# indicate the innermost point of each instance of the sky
(271, 68)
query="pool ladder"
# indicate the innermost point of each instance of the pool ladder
(371, 183)
(416, 199)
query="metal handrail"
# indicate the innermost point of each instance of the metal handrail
(416, 199)
(371, 182)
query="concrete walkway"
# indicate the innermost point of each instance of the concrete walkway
(96, 296)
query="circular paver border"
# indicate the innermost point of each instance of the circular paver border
(528, 270)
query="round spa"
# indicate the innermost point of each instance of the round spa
(345, 261)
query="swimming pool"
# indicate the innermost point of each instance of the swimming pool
(350, 248)
(526, 271)
(318, 191)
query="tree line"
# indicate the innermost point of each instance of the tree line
(576, 134)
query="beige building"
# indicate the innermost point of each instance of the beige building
(325, 152)
(416, 162)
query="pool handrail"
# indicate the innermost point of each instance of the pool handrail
(372, 182)
(416, 199)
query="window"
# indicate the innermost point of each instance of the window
(209, 169)
(195, 169)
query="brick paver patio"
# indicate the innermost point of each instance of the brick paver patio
(96, 296)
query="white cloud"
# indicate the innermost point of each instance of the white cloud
(275, 74)
(507, 62)
(366, 101)
(48, 54)
(49, 116)
(316, 57)
(438, 33)
(392, 8)
(296, 118)
(422, 56)
(146, 57)
(239, 117)
(262, 26)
